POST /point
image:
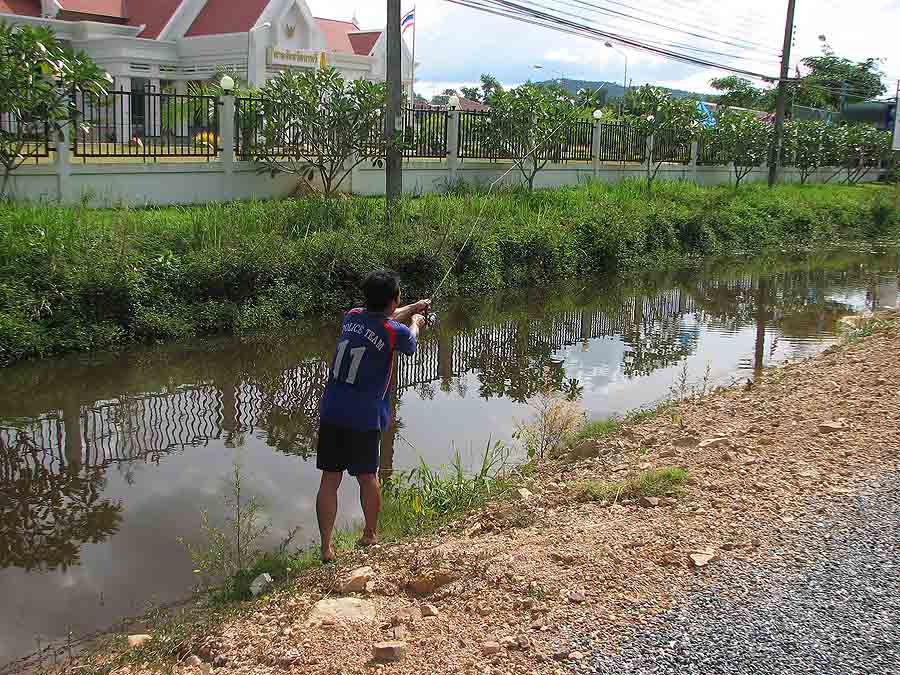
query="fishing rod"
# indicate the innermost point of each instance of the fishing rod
(432, 317)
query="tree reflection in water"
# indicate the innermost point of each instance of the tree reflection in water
(48, 512)
(140, 406)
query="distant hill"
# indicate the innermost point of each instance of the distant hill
(616, 91)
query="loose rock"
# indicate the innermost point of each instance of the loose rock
(261, 584)
(576, 597)
(490, 648)
(389, 651)
(138, 640)
(833, 427)
(357, 579)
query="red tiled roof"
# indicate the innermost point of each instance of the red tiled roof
(154, 14)
(102, 8)
(337, 34)
(226, 16)
(21, 7)
(468, 105)
(364, 42)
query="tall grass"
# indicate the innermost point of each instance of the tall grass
(77, 279)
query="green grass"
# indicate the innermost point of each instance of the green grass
(595, 429)
(663, 482)
(79, 279)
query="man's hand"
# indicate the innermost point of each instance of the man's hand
(417, 323)
(405, 314)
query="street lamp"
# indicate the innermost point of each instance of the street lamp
(454, 102)
(227, 84)
(598, 114)
(625, 80)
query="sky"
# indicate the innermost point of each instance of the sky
(455, 45)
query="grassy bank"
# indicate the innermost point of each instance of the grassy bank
(80, 279)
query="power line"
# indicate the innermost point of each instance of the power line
(530, 15)
(678, 45)
(730, 40)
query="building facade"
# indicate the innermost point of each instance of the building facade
(162, 45)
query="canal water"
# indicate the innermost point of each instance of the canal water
(106, 460)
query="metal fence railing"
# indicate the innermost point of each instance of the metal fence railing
(577, 146)
(149, 125)
(480, 138)
(707, 152)
(622, 143)
(667, 149)
(30, 138)
(425, 133)
(249, 114)
(146, 125)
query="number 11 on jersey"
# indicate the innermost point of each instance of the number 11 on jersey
(356, 356)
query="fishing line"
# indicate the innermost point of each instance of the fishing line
(518, 163)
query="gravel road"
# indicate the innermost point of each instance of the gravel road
(829, 604)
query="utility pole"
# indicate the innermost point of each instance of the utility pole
(781, 100)
(394, 164)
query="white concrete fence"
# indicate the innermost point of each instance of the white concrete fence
(110, 182)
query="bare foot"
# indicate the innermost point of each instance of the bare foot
(328, 556)
(367, 540)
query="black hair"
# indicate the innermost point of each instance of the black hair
(379, 288)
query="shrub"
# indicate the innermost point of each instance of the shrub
(73, 278)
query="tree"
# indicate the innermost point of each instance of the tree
(591, 99)
(856, 150)
(37, 78)
(831, 75)
(195, 111)
(529, 124)
(315, 121)
(491, 86)
(804, 143)
(471, 93)
(449, 92)
(742, 139)
(740, 93)
(671, 123)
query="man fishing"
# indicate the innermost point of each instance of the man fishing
(354, 408)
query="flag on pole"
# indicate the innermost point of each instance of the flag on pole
(408, 21)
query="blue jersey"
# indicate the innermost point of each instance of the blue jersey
(356, 393)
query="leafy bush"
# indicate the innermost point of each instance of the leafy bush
(77, 279)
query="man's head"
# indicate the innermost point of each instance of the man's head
(381, 289)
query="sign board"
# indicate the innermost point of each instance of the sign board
(295, 57)
(896, 144)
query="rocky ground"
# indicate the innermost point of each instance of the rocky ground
(781, 555)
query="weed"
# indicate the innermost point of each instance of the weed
(556, 419)
(74, 279)
(663, 482)
(423, 499)
(595, 429)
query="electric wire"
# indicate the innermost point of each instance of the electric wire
(515, 11)
(731, 41)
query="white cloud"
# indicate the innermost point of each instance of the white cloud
(455, 45)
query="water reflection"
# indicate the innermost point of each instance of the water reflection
(68, 427)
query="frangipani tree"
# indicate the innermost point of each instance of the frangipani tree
(38, 77)
(317, 122)
(529, 124)
(743, 140)
(658, 113)
(805, 142)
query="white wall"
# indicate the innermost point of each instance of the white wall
(108, 185)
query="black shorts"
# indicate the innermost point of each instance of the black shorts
(343, 449)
